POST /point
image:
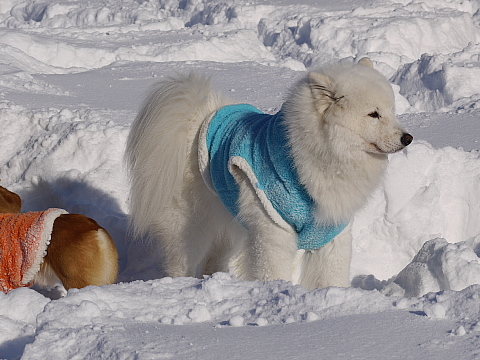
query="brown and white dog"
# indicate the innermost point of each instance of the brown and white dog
(80, 252)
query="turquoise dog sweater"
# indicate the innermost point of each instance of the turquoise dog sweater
(256, 143)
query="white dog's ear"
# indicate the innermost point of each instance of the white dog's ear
(322, 90)
(366, 61)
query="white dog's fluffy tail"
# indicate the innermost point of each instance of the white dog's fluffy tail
(159, 143)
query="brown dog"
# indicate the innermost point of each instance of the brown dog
(80, 252)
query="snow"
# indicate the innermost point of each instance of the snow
(72, 76)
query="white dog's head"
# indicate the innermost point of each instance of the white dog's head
(357, 108)
(341, 124)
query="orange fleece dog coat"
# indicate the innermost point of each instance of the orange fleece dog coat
(23, 245)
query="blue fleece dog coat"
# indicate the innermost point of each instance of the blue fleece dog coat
(242, 137)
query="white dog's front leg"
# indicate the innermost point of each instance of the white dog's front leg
(329, 265)
(270, 250)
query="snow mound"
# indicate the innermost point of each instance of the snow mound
(80, 146)
(461, 306)
(296, 36)
(79, 320)
(441, 80)
(438, 265)
(66, 55)
(82, 14)
(216, 300)
(389, 34)
(427, 193)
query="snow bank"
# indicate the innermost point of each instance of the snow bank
(52, 14)
(114, 320)
(78, 321)
(439, 265)
(392, 34)
(440, 80)
(18, 312)
(428, 193)
(216, 300)
(65, 56)
(429, 50)
(81, 146)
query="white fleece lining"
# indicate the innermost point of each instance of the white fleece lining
(238, 162)
(46, 237)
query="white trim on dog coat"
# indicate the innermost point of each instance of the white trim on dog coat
(24, 239)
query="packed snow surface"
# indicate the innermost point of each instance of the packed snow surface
(72, 76)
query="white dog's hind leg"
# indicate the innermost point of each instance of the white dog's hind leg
(270, 250)
(180, 245)
(195, 240)
(184, 247)
(170, 252)
(329, 265)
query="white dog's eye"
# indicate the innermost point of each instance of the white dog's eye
(374, 114)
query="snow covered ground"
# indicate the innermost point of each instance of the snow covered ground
(73, 74)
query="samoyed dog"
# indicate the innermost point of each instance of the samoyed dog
(219, 186)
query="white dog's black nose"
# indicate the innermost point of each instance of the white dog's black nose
(406, 139)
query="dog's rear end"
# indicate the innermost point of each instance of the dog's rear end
(80, 253)
(171, 208)
(10, 203)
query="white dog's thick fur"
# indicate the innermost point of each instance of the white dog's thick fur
(341, 126)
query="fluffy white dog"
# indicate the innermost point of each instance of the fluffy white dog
(216, 185)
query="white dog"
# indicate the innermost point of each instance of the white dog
(212, 182)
